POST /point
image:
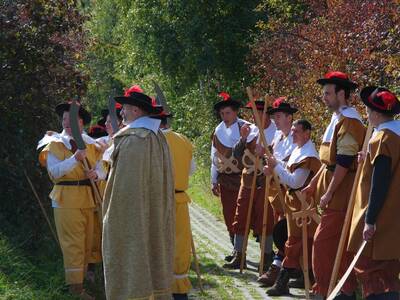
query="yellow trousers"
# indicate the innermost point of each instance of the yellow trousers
(95, 255)
(181, 283)
(75, 233)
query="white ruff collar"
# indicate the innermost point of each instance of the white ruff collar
(229, 136)
(345, 111)
(393, 126)
(301, 153)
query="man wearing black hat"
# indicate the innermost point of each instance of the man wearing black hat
(282, 147)
(72, 198)
(226, 169)
(245, 149)
(375, 217)
(332, 185)
(139, 207)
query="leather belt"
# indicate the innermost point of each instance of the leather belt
(85, 182)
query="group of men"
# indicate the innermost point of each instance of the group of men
(288, 176)
(269, 171)
(140, 227)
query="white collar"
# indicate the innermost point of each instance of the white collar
(165, 130)
(64, 138)
(301, 153)
(392, 125)
(229, 136)
(146, 122)
(346, 111)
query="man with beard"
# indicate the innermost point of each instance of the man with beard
(139, 207)
(332, 184)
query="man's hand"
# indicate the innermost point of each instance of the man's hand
(309, 190)
(91, 174)
(325, 199)
(361, 156)
(369, 231)
(80, 155)
(271, 162)
(244, 131)
(267, 170)
(216, 189)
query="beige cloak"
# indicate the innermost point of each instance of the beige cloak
(139, 217)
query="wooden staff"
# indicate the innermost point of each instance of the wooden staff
(42, 208)
(349, 213)
(265, 144)
(196, 263)
(250, 207)
(266, 202)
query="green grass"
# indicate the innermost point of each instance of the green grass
(200, 193)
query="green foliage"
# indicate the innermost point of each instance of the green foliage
(40, 42)
(193, 49)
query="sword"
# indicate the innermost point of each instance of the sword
(76, 134)
(161, 100)
(348, 271)
(112, 111)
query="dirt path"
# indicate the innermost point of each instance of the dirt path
(212, 245)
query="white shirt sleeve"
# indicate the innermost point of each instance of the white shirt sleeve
(58, 168)
(293, 180)
(214, 172)
(101, 173)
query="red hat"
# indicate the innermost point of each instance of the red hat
(135, 96)
(280, 105)
(338, 78)
(380, 99)
(83, 113)
(226, 101)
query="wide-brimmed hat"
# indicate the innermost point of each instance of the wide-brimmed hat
(83, 113)
(135, 96)
(338, 78)
(380, 99)
(281, 105)
(226, 101)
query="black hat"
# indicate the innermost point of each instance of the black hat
(280, 234)
(97, 131)
(83, 113)
(380, 99)
(279, 105)
(338, 78)
(259, 105)
(226, 101)
(135, 96)
(161, 114)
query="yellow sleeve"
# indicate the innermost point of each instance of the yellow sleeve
(347, 145)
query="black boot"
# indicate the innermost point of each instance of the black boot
(180, 296)
(232, 237)
(280, 287)
(235, 263)
(229, 257)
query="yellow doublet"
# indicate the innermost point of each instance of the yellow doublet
(181, 151)
(71, 196)
(75, 212)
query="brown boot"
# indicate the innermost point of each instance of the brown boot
(280, 287)
(235, 263)
(78, 290)
(268, 278)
